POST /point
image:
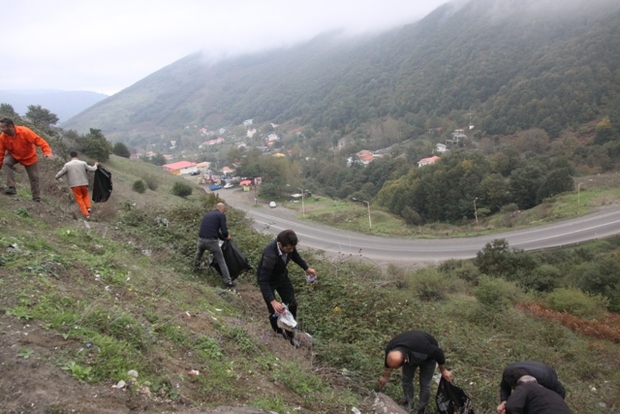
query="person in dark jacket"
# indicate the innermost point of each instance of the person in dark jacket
(272, 277)
(543, 373)
(412, 350)
(532, 398)
(212, 229)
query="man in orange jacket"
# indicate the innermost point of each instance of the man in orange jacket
(18, 146)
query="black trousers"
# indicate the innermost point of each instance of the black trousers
(287, 296)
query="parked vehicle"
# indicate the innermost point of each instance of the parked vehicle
(229, 185)
(272, 204)
(214, 187)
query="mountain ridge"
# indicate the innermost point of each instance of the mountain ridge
(65, 104)
(516, 70)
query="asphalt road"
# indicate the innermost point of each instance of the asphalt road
(600, 224)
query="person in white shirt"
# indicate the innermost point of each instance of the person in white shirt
(76, 170)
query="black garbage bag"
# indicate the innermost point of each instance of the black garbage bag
(452, 399)
(102, 185)
(235, 260)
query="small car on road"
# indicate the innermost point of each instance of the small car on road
(272, 204)
(214, 187)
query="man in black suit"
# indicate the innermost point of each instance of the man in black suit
(532, 398)
(543, 373)
(272, 277)
(212, 229)
(414, 351)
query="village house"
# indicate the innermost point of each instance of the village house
(428, 161)
(365, 157)
(180, 168)
(203, 167)
(218, 140)
(456, 137)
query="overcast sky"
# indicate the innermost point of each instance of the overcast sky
(107, 45)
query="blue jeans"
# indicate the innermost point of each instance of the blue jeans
(427, 369)
(213, 246)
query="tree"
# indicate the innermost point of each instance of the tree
(492, 259)
(40, 116)
(95, 145)
(604, 131)
(494, 192)
(158, 159)
(524, 185)
(6, 110)
(557, 182)
(121, 150)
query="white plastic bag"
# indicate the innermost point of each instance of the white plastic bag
(286, 320)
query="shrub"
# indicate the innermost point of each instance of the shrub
(577, 302)
(601, 277)
(181, 189)
(543, 279)
(398, 276)
(121, 150)
(509, 208)
(464, 270)
(498, 259)
(411, 216)
(428, 284)
(496, 294)
(138, 186)
(152, 181)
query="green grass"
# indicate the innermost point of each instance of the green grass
(594, 192)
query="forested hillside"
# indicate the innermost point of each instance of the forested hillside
(513, 66)
(536, 87)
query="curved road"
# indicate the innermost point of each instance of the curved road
(600, 224)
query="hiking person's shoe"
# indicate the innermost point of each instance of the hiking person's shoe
(231, 285)
(10, 191)
(36, 199)
(294, 342)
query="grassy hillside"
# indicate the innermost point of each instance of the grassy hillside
(81, 307)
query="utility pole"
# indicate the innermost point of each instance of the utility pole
(303, 210)
(369, 221)
(476, 214)
(578, 194)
